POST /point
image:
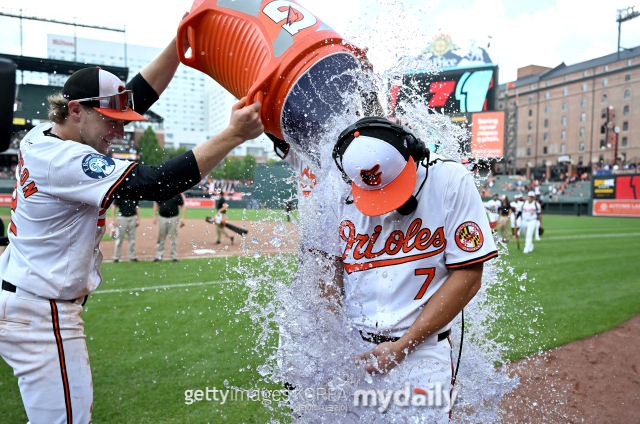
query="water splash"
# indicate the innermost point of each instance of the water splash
(306, 344)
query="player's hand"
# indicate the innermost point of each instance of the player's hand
(182, 223)
(155, 221)
(137, 223)
(382, 358)
(245, 123)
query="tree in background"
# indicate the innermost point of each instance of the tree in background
(273, 161)
(248, 168)
(172, 152)
(232, 168)
(236, 169)
(149, 150)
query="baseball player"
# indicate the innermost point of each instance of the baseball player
(128, 222)
(540, 200)
(65, 185)
(530, 217)
(516, 216)
(412, 236)
(221, 206)
(492, 207)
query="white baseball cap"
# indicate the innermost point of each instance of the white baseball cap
(383, 176)
(532, 194)
(97, 88)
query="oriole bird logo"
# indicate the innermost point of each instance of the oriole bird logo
(371, 177)
(293, 17)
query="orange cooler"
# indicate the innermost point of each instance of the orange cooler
(278, 52)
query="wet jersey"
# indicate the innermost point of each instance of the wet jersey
(530, 211)
(393, 264)
(58, 215)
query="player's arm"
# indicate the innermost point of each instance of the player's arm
(138, 215)
(162, 182)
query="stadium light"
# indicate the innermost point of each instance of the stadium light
(624, 15)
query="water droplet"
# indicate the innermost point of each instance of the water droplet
(255, 240)
(275, 242)
(385, 275)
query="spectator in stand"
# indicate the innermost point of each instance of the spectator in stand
(490, 182)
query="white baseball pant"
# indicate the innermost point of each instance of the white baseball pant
(167, 226)
(44, 342)
(429, 364)
(127, 225)
(530, 227)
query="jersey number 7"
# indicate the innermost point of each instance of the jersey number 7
(430, 273)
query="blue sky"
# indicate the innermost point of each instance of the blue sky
(542, 32)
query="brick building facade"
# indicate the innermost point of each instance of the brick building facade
(563, 119)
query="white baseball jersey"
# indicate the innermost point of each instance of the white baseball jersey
(530, 211)
(393, 264)
(58, 216)
(493, 205)
(517, 206)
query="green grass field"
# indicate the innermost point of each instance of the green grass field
(148, 347)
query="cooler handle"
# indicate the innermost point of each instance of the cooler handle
(252, 97)
(186, 33)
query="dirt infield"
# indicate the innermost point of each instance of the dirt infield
(594, 380)
(199, 235)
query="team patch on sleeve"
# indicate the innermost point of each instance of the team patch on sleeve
(469, 237)
(98, 166)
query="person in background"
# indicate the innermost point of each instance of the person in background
(169, 211)
(530, 216)
(288, 208)
(128, 221)
(492, 208)
(540, 201)
(222, 206)
(504, 222)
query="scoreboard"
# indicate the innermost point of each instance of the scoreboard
(452, 92)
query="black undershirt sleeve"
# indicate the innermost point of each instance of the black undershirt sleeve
(156, 183)
(144, 96)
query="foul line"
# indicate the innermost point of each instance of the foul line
(166, 286)
(591, 236)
